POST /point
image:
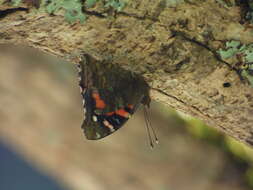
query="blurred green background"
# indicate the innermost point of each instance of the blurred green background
(41, 114)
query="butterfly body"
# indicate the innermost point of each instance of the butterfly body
(110, 96)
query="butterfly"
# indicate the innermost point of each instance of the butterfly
(110, 95)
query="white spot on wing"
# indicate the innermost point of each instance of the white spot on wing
(98, 135)
(94, 118)
(107, 124)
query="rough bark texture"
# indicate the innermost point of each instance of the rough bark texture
(172, 47)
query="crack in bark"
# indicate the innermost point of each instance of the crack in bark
(120, 13)
(6, 12)
(181, 101)
(166, 94)
(94, 13)
(215, 54)
(249, 140)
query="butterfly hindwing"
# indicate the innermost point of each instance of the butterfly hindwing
(102, 125)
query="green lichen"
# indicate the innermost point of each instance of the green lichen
(248, 73)
(73, 9)
(233, 49)
(172, 3)
(16, 2)
(115, 4)
(249, 53)
(90, 3)
(226, 3)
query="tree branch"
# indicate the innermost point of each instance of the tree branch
(184, 71)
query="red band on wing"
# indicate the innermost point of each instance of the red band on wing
(121, 112)
(100, 104)
(109, 113)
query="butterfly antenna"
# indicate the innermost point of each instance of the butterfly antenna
(150, 125)
(148, 131)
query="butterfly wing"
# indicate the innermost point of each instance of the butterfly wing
(110, 96)
(97, 126)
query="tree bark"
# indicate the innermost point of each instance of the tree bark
(172, 47)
